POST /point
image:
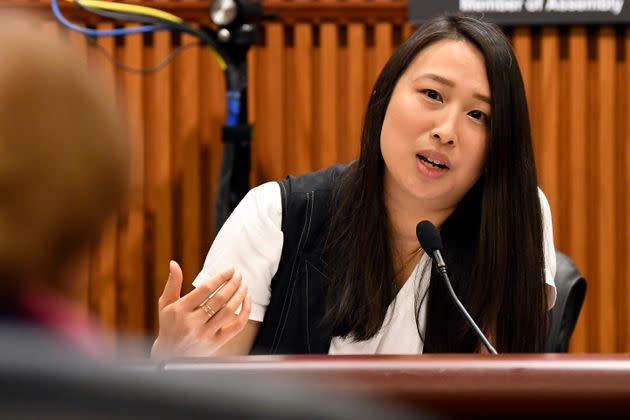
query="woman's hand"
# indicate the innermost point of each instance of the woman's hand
(195, 325)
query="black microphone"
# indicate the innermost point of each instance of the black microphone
(431, 242)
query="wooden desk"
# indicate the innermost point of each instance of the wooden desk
(456, 384)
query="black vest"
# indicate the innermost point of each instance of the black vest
(293, 320)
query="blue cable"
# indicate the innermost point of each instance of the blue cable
(96, 32)
(233, 107)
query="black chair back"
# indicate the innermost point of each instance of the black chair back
(571, 288)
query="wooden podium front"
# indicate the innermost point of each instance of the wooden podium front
(454, 384)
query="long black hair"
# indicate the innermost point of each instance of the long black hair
(493, 240)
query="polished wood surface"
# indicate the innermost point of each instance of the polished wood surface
(454, 384)
(309, 83)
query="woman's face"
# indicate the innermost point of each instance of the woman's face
(435, 132)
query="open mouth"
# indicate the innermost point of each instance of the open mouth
(432, 163)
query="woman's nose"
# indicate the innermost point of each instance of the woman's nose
(444, 130)
(442, 138)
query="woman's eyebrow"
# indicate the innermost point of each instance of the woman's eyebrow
(482, 98)
(451, 84)
(438, 79)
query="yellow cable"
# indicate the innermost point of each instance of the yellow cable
(220, 59)
(129, 8)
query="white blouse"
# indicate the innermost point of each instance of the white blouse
(251, 241)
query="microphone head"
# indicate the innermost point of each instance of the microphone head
(429, 237)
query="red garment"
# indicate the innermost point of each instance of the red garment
(64, 320)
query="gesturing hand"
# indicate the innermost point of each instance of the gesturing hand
(196, 325)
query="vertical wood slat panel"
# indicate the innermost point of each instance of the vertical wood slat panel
(577, 214)
(159, 167)
(563, 142)
(591, 149)
(327, 125)
(299, 141)
(290, 101)
(356, 93)
(606, 279)
(549, 120)
(535, 94)
(212, 109)
(522, 44)
(132, 296)
(272, 144)
(383, 45)
(407, 30)
(621, 189)
(257, 105)
(383, 49)
(187, 159)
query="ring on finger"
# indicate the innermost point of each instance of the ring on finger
(208, 309)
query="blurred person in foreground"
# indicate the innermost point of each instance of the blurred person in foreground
(63, 172)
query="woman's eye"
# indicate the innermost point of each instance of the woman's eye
(432, 94)
(478, 115)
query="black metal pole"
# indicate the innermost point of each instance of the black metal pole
(237, 132)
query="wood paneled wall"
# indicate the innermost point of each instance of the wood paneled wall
(309, 81)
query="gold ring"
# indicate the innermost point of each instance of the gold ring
(208, 309)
